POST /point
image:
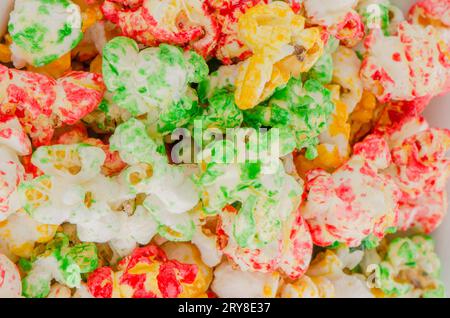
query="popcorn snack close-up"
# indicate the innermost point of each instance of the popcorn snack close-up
(224, 149)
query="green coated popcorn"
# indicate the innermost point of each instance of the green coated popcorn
(302, 108)
(222, 112)
(135, 145)
(222, 79)
(244, 183)
(322, 71)
(42, 31)
(154, 81)
(410, 268)
(60, 262)
(265, 193)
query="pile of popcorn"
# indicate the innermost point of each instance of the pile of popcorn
(342, 181)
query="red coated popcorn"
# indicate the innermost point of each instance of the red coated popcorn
(149, 273)
(356, 200)
(290, 254)
(10, 284)
(420, 169)
(150, 22)
(434, 12)
(41, 103)
(339, 17)
(405, 66)
(13, 142)
(227, 13)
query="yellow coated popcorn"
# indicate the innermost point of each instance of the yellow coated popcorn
(54, 69)
(281, 46)
(363, 117)
(5, 53)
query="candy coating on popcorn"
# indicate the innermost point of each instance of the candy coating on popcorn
(380, 14)
(148, 272)
(185, 23)
(13, 142)
(354, 201)
(10, 284)
(405, 66)
(61, 262)
(154, 81)
(259, 226)
(227, 13)
(333, 148)
(305, 108)
(431, 12)
(282, 47)
(339, 17)
(171, 194)
(346, 74)
(410, 268)
(41, 103)
(51, 31)
(420, 168)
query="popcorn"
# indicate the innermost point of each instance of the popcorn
(406, 66)
(333, 148)
(150, 273)
(420, 169)
(78, 134)
(53, 30)
(346, 74)
(364, 117)
(5, 8)
(227, 13)
(54, 69)
(164, 73)
(170, 193)
(259, 224)
(185, 23)
(41, 103)
(436, 14)
(431, 12)
(304, 108)
(19, 234)
(281, 48)
(10, 285)
(107, 116)
(59, 291)
(339, 17)
(322, 70)
(410, 268)
(60, 262)
(231, 283)
(326, 278)
(13, 142)
(356, 200)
